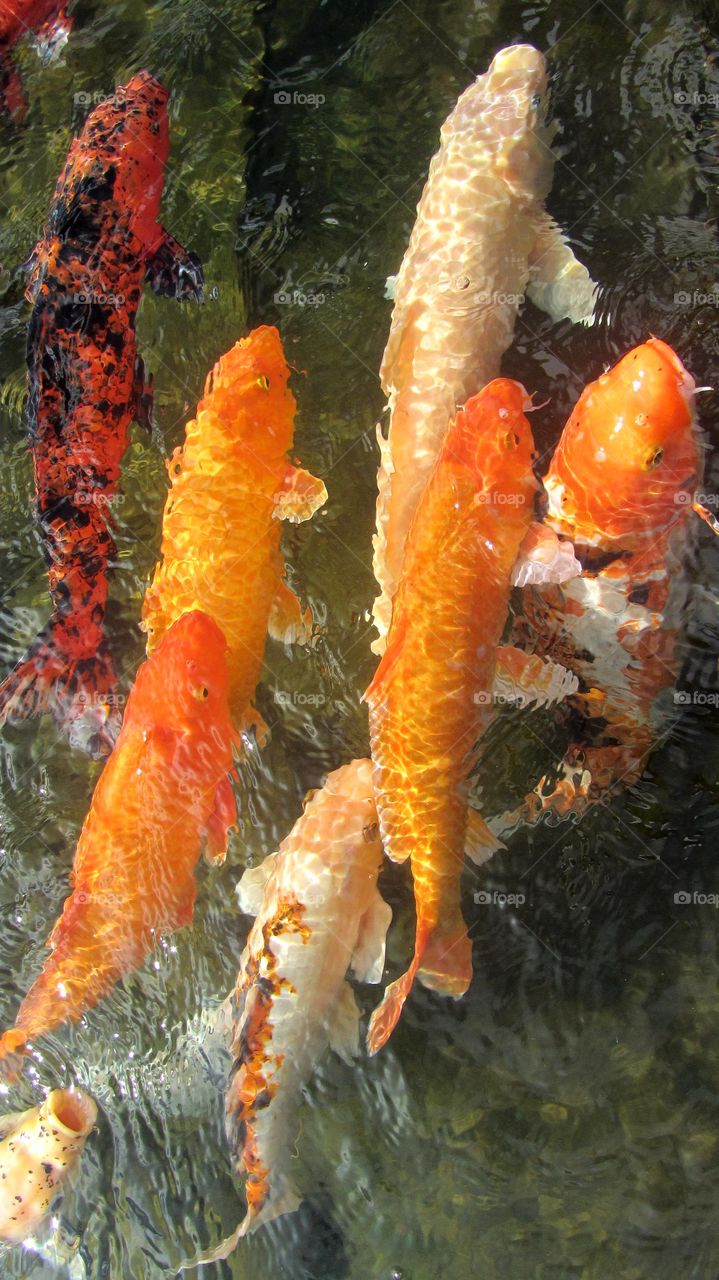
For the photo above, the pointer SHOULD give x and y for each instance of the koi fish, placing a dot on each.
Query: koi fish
(620, 485)
(86, 384)
(40, 1148)
(318, 913)
(163, 795)
(48, 21)
(481, 241)
(231, 485)
(428, 701)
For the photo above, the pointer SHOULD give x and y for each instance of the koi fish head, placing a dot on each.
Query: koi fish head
(185, 682)
(515, 93)
(492, 438)
(252, 378)
(134, 126)
(627, 460)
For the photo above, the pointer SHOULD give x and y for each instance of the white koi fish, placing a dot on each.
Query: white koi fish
(40, 1148)
(318, 914)
(481, 242)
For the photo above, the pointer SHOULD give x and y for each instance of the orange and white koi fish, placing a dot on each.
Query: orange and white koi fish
(428, 702)
(231, 485)
(482, 240)
(163, 795)
(318, 913)
(39, 1150)
(620, 485)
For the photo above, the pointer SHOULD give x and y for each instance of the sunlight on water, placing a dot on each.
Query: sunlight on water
(560, 1122)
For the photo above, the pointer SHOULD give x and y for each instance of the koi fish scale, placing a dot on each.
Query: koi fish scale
(482, 240)
(162, 797)
(318, 913)
(620, 486)
(231, 485)
(85, 386)
(430, 700)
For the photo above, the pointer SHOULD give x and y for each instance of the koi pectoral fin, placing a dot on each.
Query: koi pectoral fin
(367, 962)
(222, 818)
(525, 679)
(300, 496)
(544, 558)
(559, 283)
(288, 623)
(251, 886)
(343, 1030)
(174, 272)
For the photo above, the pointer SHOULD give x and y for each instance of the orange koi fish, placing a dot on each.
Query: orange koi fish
(620, 485)
(429, 702)
(318, 913)
(231, 485)
(40, 1148)
(481, 242)
(86, 384)
(163, 795)
(48, 21)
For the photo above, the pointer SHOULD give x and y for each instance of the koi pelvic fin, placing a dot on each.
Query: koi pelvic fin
(77, 692)
(287, 1202)
(174, 272)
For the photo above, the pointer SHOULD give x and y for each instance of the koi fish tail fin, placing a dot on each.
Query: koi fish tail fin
(387, 1014)
(78, 692)
(286, 1202)
(447, 963)
(12, 1050)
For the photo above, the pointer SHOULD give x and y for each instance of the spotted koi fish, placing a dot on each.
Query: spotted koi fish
(47, 20)
(86, 384)
(163, 796)
(318, 913)
(620, 486)
(40, 1149)
(429, 702)
(231, 486)
(481, 241)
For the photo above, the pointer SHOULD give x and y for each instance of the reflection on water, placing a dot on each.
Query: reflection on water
(561, 1121)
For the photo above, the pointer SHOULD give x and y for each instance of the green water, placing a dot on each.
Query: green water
(559, 1123)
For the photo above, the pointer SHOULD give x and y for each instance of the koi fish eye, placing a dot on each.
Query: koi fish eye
(263, 382)
(653, 459)
(511, 440)
(200, 692)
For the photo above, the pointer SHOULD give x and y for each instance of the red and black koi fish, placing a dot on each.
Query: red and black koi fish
(47, 21)
(86, 384)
